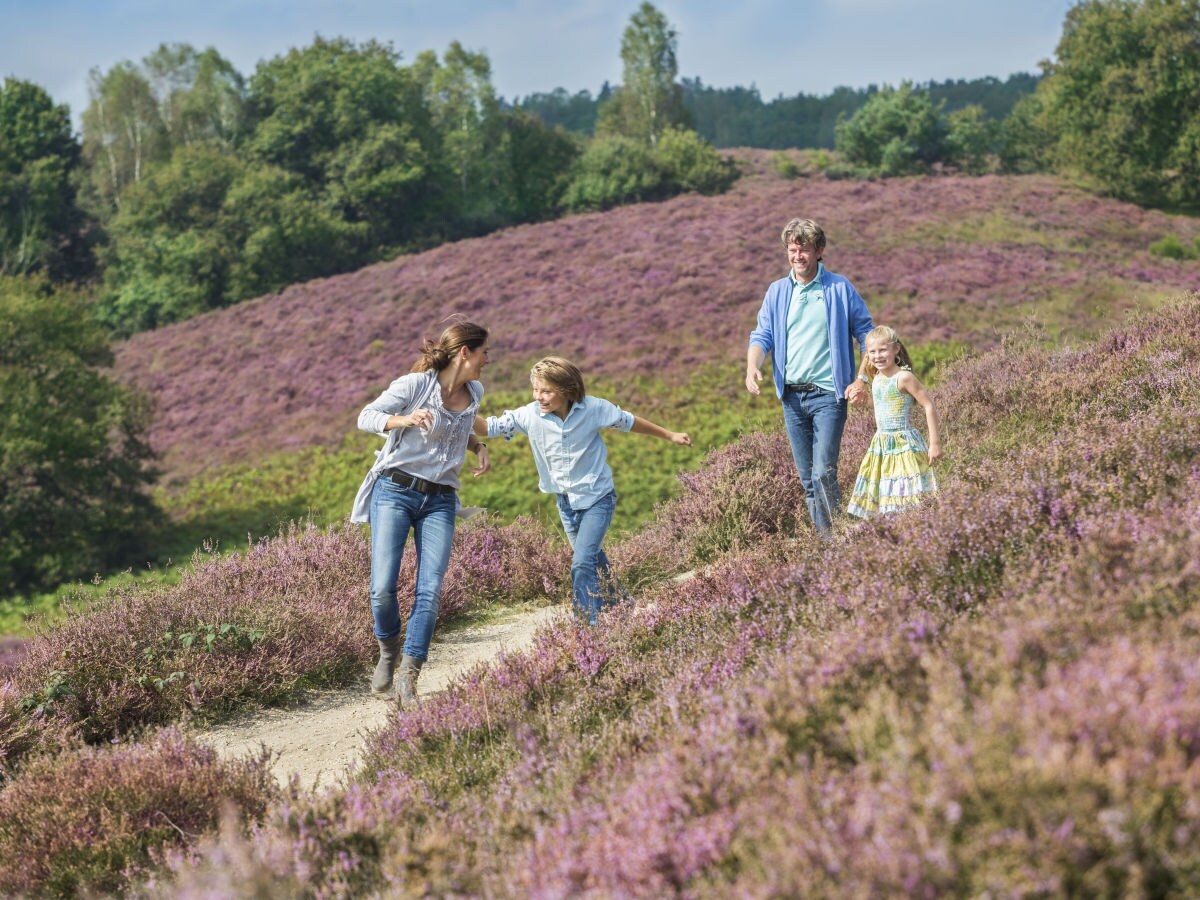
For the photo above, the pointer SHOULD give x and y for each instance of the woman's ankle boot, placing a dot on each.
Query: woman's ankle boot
(406, 688)
(381, 682)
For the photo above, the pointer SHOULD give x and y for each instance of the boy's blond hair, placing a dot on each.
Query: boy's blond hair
(560, 374)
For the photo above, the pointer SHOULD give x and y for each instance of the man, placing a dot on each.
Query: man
(806, 323)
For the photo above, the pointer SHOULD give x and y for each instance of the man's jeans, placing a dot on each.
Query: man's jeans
(815, 421)
(395, 510)
(589, 565)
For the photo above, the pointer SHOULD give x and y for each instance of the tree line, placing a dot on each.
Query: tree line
(739, 117)
(192, 187)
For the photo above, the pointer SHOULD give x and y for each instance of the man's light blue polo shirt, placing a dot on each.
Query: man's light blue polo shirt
(570, 454)
(808, 358)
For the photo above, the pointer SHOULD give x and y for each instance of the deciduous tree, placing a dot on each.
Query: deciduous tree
(41, 225)
(73, 458)
(649, 101)
(898, 131)
(354, 125)
(1122, 97)
(123, 133)
(201, 96)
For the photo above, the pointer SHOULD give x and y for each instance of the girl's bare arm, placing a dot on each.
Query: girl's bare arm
(910, 384)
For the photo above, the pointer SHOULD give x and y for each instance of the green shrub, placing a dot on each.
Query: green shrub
(898, 131)
(1171, 247)
(612, 171)
(689, 163)
(785, 165)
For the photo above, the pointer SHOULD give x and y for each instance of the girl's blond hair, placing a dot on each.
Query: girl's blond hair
(560, 374)
(884, 333)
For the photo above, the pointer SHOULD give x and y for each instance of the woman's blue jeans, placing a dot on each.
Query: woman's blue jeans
(394, 512)
(590, 569)
(815, 421)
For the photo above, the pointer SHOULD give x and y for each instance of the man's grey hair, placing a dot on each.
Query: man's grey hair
(804, 231)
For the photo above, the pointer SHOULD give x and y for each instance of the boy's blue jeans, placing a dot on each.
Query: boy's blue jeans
(394, 511)
(815, 421)
(589, 565)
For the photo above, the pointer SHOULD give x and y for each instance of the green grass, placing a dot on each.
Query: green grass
(22, 615)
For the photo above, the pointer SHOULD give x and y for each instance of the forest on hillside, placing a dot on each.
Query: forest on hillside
(740, 117)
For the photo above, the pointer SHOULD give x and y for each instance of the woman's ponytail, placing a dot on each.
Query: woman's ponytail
(436, 355)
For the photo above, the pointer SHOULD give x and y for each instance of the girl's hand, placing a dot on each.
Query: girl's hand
(857, 393)
(935, 452)
(680, 438)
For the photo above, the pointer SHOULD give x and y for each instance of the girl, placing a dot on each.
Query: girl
(895, 472)
(426, 418)
(563, 424)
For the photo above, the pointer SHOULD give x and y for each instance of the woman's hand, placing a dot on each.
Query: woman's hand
(483, 461)
(420, 418)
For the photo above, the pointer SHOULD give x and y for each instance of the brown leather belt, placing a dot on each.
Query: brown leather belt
(417, 484)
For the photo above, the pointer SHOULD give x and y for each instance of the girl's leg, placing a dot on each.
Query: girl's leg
(586, 529)
(433, 533)
(391, 517)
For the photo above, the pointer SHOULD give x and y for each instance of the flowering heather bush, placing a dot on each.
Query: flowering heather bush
(994, 694)
(290, 611)
(507, 565)
(11, 649)
(677, 282)
(744, 493)
(93, 819)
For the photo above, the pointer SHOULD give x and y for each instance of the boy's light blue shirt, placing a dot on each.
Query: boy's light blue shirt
(808, 358)
(570, 454)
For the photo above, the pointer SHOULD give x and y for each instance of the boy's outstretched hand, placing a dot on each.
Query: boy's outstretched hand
(680, 438)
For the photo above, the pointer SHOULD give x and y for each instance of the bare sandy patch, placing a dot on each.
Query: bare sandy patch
(322, 735)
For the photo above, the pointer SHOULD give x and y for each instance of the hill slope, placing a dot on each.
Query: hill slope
(650, 289)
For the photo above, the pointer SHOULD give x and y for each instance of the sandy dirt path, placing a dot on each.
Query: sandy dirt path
(321, 736)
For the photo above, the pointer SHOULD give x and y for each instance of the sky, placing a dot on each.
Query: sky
(807, 46)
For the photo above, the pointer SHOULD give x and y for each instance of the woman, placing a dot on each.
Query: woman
(426, 418)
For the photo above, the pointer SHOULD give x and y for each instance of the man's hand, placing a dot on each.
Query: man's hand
(753, 377)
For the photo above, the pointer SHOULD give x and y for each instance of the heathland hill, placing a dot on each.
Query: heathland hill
(663, 289)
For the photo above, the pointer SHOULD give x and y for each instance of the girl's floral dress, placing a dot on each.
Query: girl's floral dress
(895, 472)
